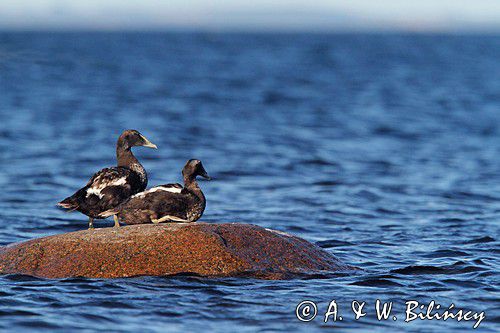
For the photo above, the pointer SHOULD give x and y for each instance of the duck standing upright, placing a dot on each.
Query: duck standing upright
(112, 186)
(167, 203)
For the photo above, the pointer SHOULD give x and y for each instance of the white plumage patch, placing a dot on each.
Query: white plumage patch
(172, 189)
(171, 218)
(96, 190)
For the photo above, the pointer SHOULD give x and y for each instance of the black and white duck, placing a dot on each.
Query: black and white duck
(112, 186)
(167, 203)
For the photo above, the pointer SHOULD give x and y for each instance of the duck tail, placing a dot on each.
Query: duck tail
(69, 203)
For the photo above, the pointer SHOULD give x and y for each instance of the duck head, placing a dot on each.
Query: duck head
(132, 138)
(194, 168)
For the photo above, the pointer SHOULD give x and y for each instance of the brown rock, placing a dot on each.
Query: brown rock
(214, 250)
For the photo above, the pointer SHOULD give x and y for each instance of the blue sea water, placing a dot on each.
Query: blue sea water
(383, 149)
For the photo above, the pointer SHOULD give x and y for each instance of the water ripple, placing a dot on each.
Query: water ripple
(381, 149)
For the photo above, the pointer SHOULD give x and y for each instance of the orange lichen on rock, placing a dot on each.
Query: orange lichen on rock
(212, 250)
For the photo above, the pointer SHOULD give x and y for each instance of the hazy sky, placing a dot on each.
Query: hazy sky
(329, 15)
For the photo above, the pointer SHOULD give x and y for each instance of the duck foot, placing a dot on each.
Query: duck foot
(117, 224)
(91, 223)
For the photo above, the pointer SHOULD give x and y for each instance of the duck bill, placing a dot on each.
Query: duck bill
(148, 143)
(204, 174)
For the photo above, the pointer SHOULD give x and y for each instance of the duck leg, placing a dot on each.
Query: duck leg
(91, 223)
(117, 224)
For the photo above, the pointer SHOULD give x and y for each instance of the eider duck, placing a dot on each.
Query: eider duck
(167, 203)
(111, 186)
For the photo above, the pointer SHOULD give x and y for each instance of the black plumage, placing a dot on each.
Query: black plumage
(112, 186)
(167, 203)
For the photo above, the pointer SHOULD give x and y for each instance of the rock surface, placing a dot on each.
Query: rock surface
(212, 250)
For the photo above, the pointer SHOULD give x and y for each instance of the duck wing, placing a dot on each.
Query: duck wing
(156, 202)
(143, 200)
(105, 190)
